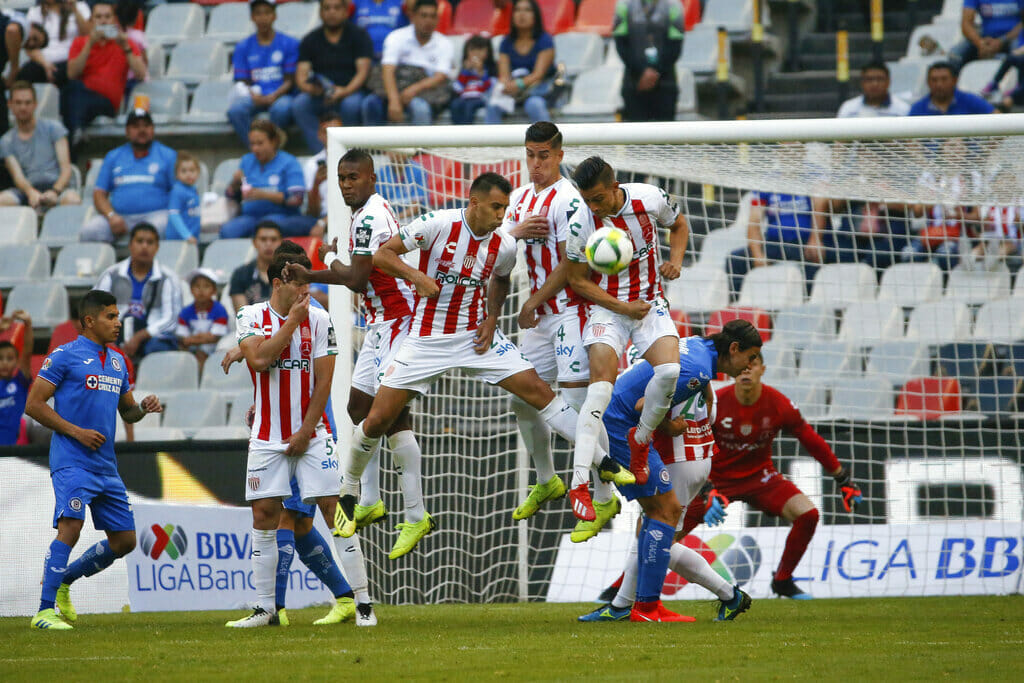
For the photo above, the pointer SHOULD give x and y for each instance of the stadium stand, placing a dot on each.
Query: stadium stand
(699, 289)
(939, 322)
(801, 325)
(577, 51)
(168, 101)
(196, 61)
(174, 23)
(978, 286)
(78, 265)
(19, 225)
(46, 302)
(840, 284)
(229, 23)
(929, 398)
(777, 286)
(23, 263)
(756, 316)
(899, 360)
(779, 359)
(909, 284)
(189, 410)
(827, 362)
(61, 224)
(166, 372)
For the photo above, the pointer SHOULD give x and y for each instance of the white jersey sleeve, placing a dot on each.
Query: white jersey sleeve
(324, 341)
(421, 233)
(507, 254)
(657, 203)
(247, 323)
(581, 227)
(565, 205)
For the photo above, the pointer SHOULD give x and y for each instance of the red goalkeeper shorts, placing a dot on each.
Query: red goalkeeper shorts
(766, 491)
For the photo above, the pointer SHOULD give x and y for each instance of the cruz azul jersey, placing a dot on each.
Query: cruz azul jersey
(386, 297)
(696, 443)
(646, 209)
(282, 393)
(744, 434)
(461, 263)
(89, 381)
(557, 203)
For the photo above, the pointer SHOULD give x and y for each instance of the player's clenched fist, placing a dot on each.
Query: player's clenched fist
(426, 287)
(485, 334)
(151, 404)
(89, 438)
(669, 271)
(636, 309)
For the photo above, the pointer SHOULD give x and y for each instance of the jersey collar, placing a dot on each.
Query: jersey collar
(625, 201)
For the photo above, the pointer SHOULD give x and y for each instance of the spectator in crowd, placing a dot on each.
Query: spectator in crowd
(265, 65)
(134, 184)
(334, 62)
(36, 155)
(269, 185)
(148, 296)
(1000, 24)
(15, 378)
(1000, 241)
(875, 98)
(945, 98)
(98, 66)
(415, 68)
(64, 20)
(18, 34)
(526, 66)
(473, 85)
(184, 208)
(203, 322)
(794, 227)
(1014, 60)
(129, 15)
(649, 39)
(403, 182)
(315, 174)
(379, 18)
(249, 282)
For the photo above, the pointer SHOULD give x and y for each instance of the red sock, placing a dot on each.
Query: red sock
(796, 543)
(645, 606)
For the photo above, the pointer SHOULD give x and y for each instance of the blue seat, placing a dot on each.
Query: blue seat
(965, 360)
(993, 395)
(1009, 359)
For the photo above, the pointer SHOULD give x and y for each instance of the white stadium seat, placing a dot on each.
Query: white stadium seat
(827, 362)
(224, 255)
(841, 284)
(62, 224)
(801, 325)
(699, 289)
(940, 322)
(596, 93)
(1001, 322)
(194, 61)
(869, 322)
(230, 23)
(167, 371)
(19, 225)
(173, 23)
(978, 286)
(24, 263)
(80, 265)
(779, 361)
(46, 302)
(773, 287)
(909, 284)
(863, 399)
(899, 360)
(577, 51)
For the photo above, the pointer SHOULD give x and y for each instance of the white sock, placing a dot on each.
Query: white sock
(536, 438)
(692, 566)
(362, 450)
(408, 459)
(657, 399)
(574, 396)
(604, 491)
(369, 483)
(588, 429)
(353, 566)
(627, 590)
(264, 567)
(561, 418)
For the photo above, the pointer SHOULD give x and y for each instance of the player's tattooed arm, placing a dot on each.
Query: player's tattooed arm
(554, 284)
(132, 412)
(389, 259)
(678, 238)
(579, 278)
(37, 408)
(497, 291)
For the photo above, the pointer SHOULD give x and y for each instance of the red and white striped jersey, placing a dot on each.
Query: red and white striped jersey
(557, 203)
(1003, 222)
(462, 263)
(282, 392)
(386, 297)
(646, 209)
(696, 443)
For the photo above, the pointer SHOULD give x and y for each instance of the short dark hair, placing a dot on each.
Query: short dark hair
(485, 182)
(424, 3)
(94, 301)
(283, 259)
(875, 66)
(538, 21)
(356, 156)
(329, 114)
(738, 330)
(544, 131)
(948, 66)
(288, 247)
(21, 85)
(266, 225)
(591, 171)
(144, 227)
(6, 344)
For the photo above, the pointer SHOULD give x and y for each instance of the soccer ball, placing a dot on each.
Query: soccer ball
(609, 250)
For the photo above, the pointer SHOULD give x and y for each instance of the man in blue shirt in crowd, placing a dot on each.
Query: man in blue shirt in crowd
(89, 386)
(944, 98)
(134, 185)
(379, 18)
(264, 66)
(15, 374)
(1000, 24)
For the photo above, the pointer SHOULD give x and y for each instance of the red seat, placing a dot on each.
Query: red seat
(929, 397)
(559, 15)
(311, 246)
(756, 316)
(446, 185)
(444, 18)
(475, 16)
(66, 332)
(682, 322)
(596, 16)
(691, 13)
(15, 334)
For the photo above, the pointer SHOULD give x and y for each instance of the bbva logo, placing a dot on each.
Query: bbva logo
(156, 540)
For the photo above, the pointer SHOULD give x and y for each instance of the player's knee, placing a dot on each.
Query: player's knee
(666, 375)
(123, 545)
(809, 518)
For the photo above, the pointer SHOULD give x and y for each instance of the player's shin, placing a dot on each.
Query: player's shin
(536, 438)
(363, 448)
(588, 428)
(654, 544)
(95, 559)
(690, 565)
(315, 554)
(369, 482)
(353, 565)
(264, 566)
(657, 399)
(409, 461)
(796, 543)
(54, 571)
(285, 553)
(627, 587)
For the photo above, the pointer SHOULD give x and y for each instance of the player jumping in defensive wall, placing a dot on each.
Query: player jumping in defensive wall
(629, 306)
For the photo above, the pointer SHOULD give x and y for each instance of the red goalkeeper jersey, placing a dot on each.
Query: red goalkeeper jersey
(744, 434)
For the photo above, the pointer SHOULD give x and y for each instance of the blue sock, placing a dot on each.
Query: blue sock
(54, 569)
(655, 546)
(98, 557)
(285, 552)
(315, 554)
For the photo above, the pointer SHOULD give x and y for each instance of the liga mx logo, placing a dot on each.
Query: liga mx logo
(735, 560)
(156, 540)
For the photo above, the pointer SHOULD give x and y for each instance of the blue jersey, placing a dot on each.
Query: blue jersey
(266, 65)
(183, 220)
(379, 19)
(89, 381)
(788, 216)
(13, 393)
(280, 174)
(698, 361)
(998, 17)
(138, 185)
(963, 103)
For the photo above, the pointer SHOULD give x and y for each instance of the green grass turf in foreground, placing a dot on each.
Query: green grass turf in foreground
(863, 639)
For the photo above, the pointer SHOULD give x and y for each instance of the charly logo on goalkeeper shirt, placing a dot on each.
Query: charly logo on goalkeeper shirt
(158, 540)
(735, 560)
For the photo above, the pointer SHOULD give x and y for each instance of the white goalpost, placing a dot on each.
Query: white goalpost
(901, 340)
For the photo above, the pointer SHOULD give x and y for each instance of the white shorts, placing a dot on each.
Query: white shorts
(421, 360)
(616, 330)
(688, 478)
(269, 471)
(555, 346)
(380, 344)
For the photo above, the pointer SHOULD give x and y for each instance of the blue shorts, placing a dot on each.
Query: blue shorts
(105, 494)
(659, 480)
(295, 504)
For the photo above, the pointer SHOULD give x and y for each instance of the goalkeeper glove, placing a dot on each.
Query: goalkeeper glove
(848, 491)
(714, 513)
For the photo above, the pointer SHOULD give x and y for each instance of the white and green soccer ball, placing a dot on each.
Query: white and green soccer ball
(609, 250)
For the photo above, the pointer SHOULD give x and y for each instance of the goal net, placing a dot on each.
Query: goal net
(884, 288)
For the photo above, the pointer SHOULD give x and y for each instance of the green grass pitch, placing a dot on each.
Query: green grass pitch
(862, 639)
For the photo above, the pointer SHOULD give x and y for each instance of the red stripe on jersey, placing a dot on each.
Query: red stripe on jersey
(648, 229)
(386, 287)
(634, 265)
(396, 329)
(427, 324)
(264, 385)
(284, 381)
(531, 260)
(452, 319)
(492, 258)
(546, 259)
(304, 377)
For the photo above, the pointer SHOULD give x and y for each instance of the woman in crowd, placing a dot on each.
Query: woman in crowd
(526, 66)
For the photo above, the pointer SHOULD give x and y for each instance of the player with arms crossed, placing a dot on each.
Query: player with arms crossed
(291, 361)
(462, 283)
(552, 319)
(630, 306)
(387, 303)
(89, 384)
(729, 351)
